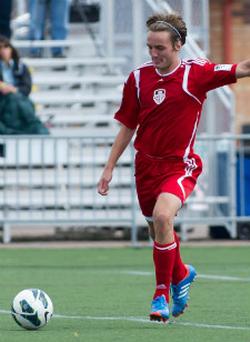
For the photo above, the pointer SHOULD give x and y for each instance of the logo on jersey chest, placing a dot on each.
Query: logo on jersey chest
(159, 96)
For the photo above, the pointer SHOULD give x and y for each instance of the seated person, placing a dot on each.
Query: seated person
(17, 112)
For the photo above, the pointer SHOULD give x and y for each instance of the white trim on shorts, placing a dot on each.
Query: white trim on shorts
(149, 218)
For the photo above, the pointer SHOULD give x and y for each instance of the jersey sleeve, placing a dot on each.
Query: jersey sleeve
(210, 75)
(129, 109)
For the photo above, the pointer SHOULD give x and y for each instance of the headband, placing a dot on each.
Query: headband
(169, 26)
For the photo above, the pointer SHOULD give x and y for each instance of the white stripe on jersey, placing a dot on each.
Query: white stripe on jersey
(198, 61)
(185, 83)
(137, 81)
(136, 73)
(146, 64)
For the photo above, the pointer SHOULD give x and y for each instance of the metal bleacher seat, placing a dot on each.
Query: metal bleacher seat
(59, 119)
(69, 108)
(72, 80)
(64, 98)
(74, 62)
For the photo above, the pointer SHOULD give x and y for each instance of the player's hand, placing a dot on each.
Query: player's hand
(103, 184)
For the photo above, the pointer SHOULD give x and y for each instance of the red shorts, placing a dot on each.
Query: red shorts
(173, 175)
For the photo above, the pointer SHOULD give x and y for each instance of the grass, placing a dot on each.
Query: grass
(97, 283)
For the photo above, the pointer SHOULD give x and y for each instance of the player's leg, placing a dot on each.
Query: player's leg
(179, 270)
(160, 210)
(165, 210)
(181, 291)
(164, 252)
(182, 274)
(151, 230)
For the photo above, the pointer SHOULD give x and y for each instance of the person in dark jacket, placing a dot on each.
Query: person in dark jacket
(5, 17)
(17, 112)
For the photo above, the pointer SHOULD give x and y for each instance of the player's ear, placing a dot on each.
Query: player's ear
(177, 45)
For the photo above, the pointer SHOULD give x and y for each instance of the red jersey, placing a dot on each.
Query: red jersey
(166, 109)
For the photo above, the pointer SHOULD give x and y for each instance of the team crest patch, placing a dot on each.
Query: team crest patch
(159, 96)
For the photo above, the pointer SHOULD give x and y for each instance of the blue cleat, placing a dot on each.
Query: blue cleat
(159, 309)
(180, 292)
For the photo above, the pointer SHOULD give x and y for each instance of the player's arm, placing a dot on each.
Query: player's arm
(243, 69)
(122, 140)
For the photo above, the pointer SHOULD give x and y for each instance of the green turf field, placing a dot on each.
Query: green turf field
(104, 295)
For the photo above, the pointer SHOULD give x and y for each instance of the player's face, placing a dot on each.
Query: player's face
(164, 55)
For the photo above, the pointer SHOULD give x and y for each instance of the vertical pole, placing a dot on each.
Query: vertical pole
(6, 233)
(21, 6)
(242, 179)
(103, 24)
(227, 29)
(138, 30)
(233, 174)
(211, 146)
(134, 238)
(205, 24)
(107, 26)
(187, 13)
(110, 28)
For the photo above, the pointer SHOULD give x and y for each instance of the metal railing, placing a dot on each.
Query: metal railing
(221, 197)
(52, 181)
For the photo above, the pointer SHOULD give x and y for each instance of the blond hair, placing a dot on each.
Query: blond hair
(172, 23)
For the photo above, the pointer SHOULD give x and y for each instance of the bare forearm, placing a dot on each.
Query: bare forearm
(243, 69)
(121, 142)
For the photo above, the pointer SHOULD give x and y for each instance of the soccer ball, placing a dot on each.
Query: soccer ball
(32, 309)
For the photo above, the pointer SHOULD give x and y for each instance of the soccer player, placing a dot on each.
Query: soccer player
(162, 102)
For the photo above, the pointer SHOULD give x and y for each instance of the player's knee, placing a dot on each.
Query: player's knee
(163, 221)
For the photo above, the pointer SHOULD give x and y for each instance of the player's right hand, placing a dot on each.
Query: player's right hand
(103, 184)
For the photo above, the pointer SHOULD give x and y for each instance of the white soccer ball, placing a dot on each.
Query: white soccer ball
(32, 309)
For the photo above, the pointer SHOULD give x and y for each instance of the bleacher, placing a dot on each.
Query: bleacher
(76, 92)
(87, 87)
(52, 180)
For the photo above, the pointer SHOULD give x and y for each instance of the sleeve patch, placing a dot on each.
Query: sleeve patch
(223, 67)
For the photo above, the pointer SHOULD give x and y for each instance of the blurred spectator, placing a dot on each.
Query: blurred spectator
(5, 16)
(58, 11)
(17, 112)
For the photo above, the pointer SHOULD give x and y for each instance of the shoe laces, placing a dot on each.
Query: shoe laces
(160, 302)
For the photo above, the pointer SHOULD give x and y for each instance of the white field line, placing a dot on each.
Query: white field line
(142, 320)
(202, 276)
